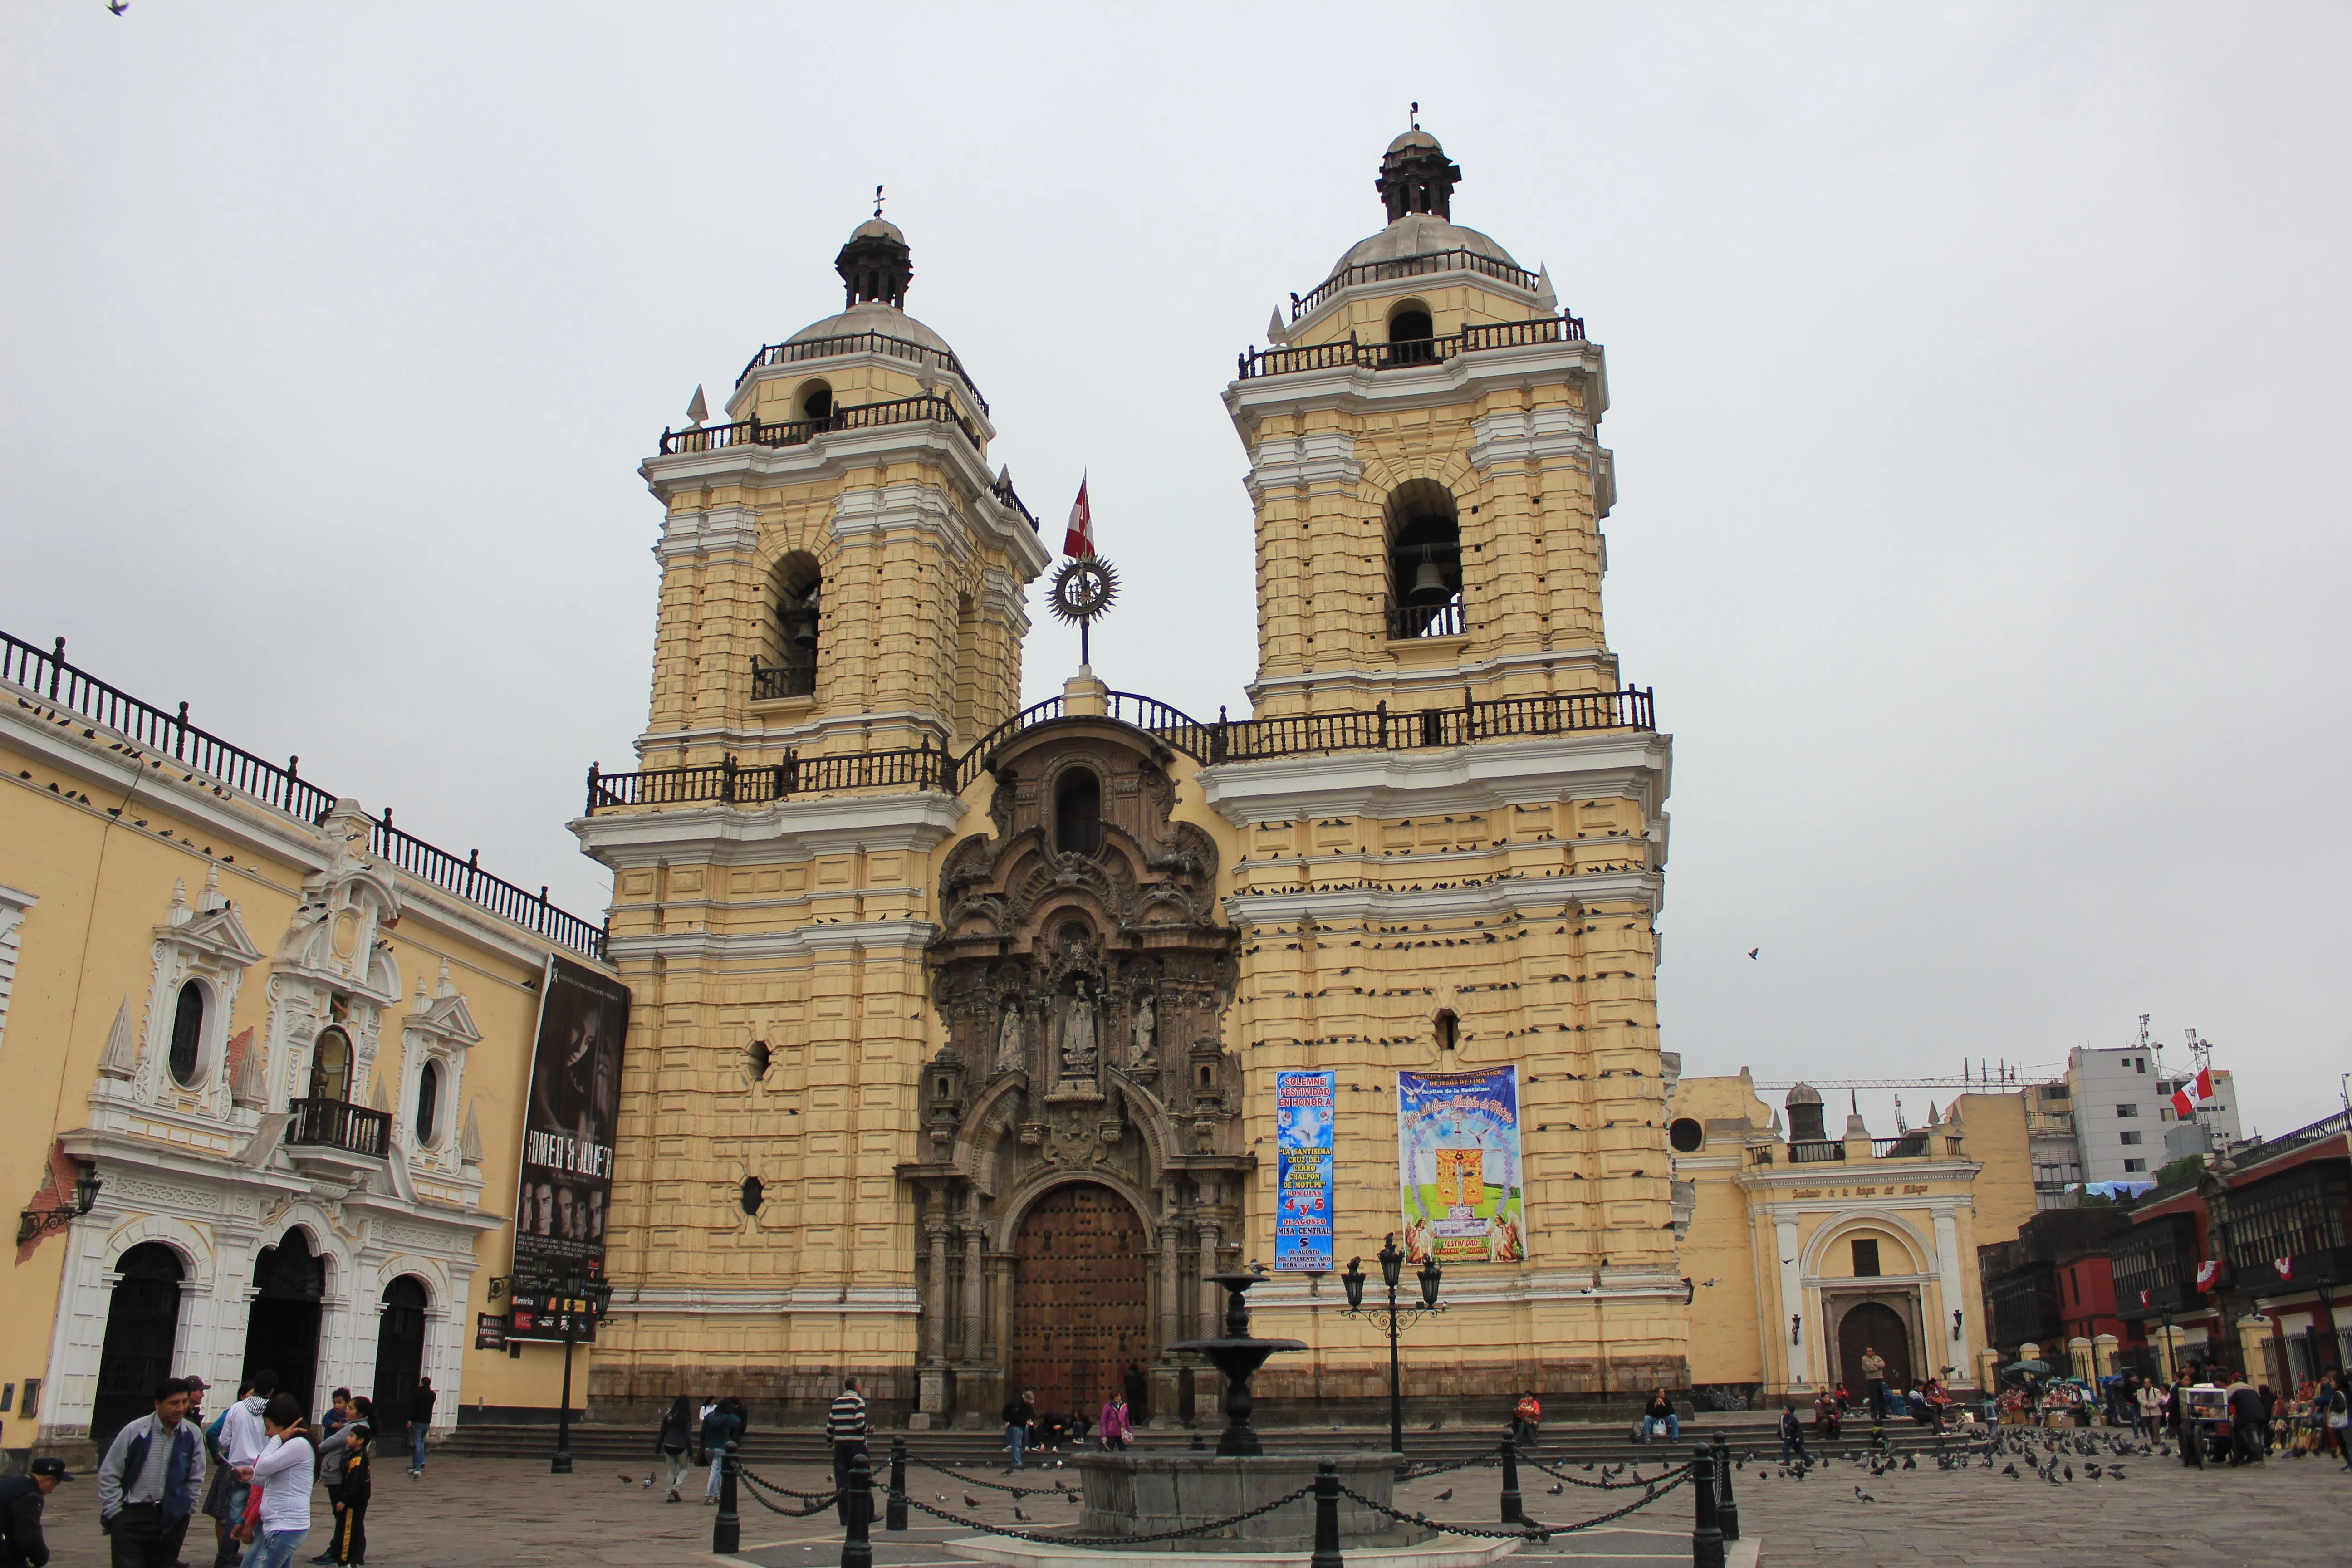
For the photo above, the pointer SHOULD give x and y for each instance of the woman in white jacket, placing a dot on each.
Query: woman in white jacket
(283, 1470)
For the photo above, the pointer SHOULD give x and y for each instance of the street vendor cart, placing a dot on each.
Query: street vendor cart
(2205, 1427)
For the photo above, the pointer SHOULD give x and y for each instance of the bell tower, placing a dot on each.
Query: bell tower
(1450, 808)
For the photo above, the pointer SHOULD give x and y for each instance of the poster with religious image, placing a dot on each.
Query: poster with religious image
(1458, 1166)
(567, 1144)
(1303, 1106)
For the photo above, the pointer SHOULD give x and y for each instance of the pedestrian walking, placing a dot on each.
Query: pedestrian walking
(420, 1422)
(149, 1482)
(720, 1427)
(2149, 1400)
(22, 1544)
(215, 1504)
(846, 1428)
(1792, 1433)
(1118, 1425)
(2334, 1407)
(241, 1437)
(1018, 1414)
(676, 1432)
(347, 1545)
(283, 1472)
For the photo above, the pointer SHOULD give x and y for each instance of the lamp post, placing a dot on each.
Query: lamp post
(31, 1223)
(1391, 1270)
(594, 1296)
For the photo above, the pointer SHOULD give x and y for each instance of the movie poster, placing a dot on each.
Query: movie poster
(567, 1142)
(1302, 1107)
(1458, 1165)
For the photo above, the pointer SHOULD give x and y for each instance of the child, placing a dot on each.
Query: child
(356, 1478)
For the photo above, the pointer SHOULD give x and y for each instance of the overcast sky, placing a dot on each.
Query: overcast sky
(1978, 389)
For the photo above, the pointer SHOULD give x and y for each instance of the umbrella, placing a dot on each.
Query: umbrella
(2038, 1368)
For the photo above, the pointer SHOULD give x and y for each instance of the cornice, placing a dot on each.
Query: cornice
(895, 1300)
(1357, 390)
(843, 936)
(1491, 900)
(1592, 764)
(801, 829)
(1399, 680)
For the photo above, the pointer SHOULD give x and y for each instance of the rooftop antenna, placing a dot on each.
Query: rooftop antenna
(1414, 115)
(878, 201)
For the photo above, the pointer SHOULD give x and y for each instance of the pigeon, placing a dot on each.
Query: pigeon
(1018, 1514)
(1754, 950)
(1911, 1461)
(1862, 1496)
(969, 1500)
(649, 1481)
(2009, 1469)
(2114, 1472)
(1554, 1489)
(2070, 1472)
(2091, 1469)
(941, 1496)
(626, 1479)
(1446, 1496)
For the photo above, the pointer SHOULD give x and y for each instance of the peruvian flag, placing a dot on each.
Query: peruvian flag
(1078, 539)
(2182, 1106)
(2206, 1273)
(2285, 1266)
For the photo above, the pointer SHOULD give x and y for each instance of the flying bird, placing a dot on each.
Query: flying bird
(1754, 950)
(118, 6)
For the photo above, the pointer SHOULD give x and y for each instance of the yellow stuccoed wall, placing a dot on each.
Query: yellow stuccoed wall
(103, 871)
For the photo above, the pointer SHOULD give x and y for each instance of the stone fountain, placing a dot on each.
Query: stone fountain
(1140, 1493)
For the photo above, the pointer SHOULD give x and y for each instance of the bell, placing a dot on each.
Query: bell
(1430, 582)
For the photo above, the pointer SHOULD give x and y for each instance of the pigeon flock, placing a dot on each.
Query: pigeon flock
(2047, 1456)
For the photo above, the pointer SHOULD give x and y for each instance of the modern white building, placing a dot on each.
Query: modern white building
(2123, 1110)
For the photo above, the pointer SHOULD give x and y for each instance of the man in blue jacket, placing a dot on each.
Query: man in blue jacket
(149, 1482)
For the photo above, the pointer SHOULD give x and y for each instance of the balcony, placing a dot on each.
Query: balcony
(1417, 267)
(861, 343)
(2155, 1267)
(781, 680)
(340, 1124)
(1409, 621)
(1814, 1154)
(1351, 354)
(799, 432)
(1225, 740)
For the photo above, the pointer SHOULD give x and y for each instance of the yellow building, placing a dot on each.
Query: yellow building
(957, 1027)
(1805, 1251)
(291, 1044)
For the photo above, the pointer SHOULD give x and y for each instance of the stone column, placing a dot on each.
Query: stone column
(1167, 1376)
(1213, 1299)
(975, 1294)
(1948, 1269)
(1792, 1297)
(2103, 1353)
(932, 1382)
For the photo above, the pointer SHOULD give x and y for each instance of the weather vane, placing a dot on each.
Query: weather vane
(1083, 589)
(878, 201)
(1415, 114)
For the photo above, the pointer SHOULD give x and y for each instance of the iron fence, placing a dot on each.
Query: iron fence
(1458, 260)
(757, 432)
(340, 1124)
(865, 343)
(150, 729)
(1352, 353)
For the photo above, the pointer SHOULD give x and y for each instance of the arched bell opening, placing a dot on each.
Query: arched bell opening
(787, 663)
(1424, 528)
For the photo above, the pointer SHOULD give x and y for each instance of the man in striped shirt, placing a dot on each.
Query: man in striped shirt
(845, 1427)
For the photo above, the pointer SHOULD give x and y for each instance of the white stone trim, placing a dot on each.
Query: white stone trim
(1493, 898)
(1325, 457)
(1358, 390)
(716, 1300)
(13, 907)
(914, 820)
(712, 947)
(1398, 683)
(1591, 765)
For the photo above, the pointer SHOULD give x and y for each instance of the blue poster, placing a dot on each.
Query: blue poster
(1302, 1107)
(1458, 1163)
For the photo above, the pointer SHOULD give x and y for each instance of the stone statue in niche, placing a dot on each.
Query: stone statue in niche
(1079, 1045)
(1008, 1039)
(1146, 1029)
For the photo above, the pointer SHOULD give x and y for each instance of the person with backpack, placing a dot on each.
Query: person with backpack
(720, 1427)
(420, 1422)
(241, 1437)
(670, 1442)
(22, 1545)
(2334, 1406)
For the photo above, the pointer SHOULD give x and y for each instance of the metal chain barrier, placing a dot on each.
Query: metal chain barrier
(1415, 1471)
(816, 1507)
(1596, 1486)
(991, 1486)
(1052, 1538)
(758, 1480)
(1661, 1487)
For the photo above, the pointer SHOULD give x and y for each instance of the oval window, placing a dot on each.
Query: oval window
(187, 1035)
(1685, 1135)
(429, 1104)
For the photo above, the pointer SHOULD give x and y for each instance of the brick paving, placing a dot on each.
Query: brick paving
(467, 1514)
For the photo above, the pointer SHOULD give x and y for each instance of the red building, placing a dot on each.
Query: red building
(2052, 1288)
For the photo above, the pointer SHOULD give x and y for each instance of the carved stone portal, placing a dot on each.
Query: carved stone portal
(1074, 940)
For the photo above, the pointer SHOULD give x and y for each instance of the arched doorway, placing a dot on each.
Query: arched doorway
(281, 1326)
(1873, 1326)
(141, 1322)
(1081, 1297)
(399, 1351)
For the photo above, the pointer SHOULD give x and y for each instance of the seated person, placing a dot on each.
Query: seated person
(1827, 1413)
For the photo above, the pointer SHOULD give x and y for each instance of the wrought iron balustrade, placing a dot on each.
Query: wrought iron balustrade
(1815, 1153)
(340, 1124)
(798, 432)
(1903, 1146)
(157, 736)
(1457, 261)
(1351, 354)
(730, 781)
(782, 680)
(863, 343)
(1407, 621)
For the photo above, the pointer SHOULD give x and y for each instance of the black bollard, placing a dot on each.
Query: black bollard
(1513, 1511)
(1707, 1537)
(1326, 1517)
(857, 1548)
(726, 1529)
(1727, 1508)
(894, 1515)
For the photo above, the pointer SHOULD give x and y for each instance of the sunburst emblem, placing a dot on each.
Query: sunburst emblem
(1083, 588)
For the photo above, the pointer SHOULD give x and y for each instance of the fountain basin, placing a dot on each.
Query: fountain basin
(1145, 1494)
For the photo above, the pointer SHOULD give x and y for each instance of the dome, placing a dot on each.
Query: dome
(1416, 137)
(872, 316)
(1421, 234)
(1803, 1094)
(878, 228)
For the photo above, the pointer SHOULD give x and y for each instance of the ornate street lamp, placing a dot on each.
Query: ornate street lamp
(31, 1223)
(1392, 1272)
(597, 1296)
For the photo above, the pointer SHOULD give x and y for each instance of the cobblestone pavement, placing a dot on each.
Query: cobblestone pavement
(467, 1514)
